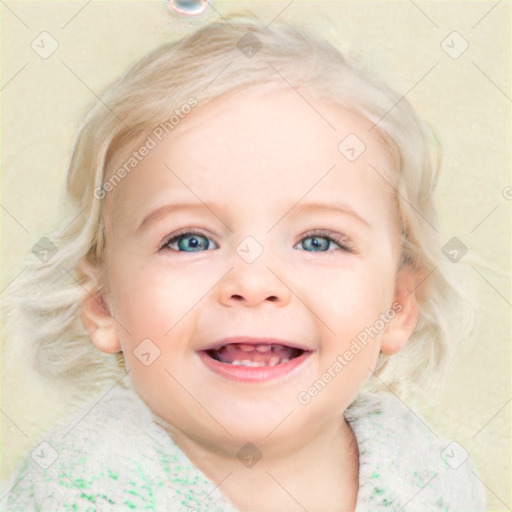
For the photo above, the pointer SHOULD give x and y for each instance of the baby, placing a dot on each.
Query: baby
(257, 266)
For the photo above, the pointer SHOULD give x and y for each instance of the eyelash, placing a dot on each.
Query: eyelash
(341, 240)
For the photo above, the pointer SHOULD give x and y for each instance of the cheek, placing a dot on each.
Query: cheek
(352, 332)
(354, 297)
(352, 317)
(151, 298)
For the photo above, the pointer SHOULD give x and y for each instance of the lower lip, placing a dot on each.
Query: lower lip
(242, 373)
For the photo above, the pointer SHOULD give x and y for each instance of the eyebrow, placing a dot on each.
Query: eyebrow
(169, 208)
(330, 208)
(301, 208)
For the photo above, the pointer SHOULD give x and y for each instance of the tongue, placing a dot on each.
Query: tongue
(264, 354)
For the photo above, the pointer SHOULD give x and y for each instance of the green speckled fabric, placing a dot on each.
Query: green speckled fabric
(116, 456)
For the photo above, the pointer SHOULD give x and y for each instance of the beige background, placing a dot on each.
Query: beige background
(467, 99)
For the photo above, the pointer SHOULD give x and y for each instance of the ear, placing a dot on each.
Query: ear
(95, 313)
(406, 308)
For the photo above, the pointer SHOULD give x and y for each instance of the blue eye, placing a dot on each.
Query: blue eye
(194, 241)
(321, 241)
(188, 241)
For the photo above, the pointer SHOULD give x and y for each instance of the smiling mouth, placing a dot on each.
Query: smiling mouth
(254, 355)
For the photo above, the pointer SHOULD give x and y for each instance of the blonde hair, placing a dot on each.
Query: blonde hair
(44, 302)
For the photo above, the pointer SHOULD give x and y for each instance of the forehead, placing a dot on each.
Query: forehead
(290, 124)
(285, 141)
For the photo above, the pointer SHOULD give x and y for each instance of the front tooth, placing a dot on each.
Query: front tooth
(273, 360)
(264, 348)
(285, 360)
(244, 347)
(249, 362)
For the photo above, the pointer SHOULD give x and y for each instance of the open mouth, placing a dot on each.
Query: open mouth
(254, 355)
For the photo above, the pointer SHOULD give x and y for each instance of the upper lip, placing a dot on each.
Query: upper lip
(250, 340)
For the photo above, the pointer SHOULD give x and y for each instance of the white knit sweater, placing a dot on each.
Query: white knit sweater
(115, 457)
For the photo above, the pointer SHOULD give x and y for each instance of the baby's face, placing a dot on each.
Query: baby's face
(222, 231)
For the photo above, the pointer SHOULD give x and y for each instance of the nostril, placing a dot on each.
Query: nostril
(271, 298)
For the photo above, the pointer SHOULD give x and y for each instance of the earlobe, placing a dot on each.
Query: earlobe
(406, 307)
(95, 314)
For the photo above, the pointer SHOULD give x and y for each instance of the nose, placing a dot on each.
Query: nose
(250, 284)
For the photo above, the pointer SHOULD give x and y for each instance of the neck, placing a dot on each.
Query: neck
(320, 475)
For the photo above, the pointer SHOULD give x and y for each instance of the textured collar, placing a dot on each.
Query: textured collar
(116, 454)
